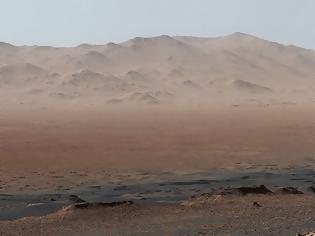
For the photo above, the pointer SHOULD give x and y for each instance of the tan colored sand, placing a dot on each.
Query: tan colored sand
(279, 215)
(96, 141)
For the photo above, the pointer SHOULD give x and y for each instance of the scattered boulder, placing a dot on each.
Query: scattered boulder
(288, 190)
(246, 190)
(312, 189)
(85, 205)
(256, 204)
(307, 234)
(76, 200)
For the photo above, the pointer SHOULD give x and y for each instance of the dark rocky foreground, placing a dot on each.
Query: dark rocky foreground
(236, 203)
(232, 211)
(152, 188)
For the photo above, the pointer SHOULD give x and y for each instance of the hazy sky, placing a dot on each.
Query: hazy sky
(71, 22)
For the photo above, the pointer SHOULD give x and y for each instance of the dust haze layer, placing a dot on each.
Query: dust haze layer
(162, 103)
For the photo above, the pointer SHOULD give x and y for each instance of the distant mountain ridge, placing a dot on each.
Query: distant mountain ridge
(230, 64)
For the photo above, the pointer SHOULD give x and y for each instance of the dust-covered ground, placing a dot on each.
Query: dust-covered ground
(158, 157)
(218, 215)
(91, 138)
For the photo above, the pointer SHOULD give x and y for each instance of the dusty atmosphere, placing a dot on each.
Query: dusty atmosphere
(118, 138)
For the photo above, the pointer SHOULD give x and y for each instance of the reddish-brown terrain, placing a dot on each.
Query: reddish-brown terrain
(150, 110)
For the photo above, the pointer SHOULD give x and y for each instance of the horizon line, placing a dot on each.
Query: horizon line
(158, 36)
